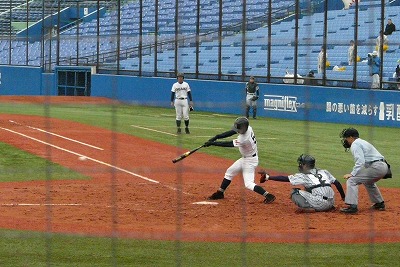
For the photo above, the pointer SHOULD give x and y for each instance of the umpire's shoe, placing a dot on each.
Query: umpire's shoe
(379, 206)
(216, 195)
(351, 209)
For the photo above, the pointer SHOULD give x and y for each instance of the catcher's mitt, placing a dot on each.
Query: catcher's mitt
(191, 108)
(269, 198)
(264, 176)
(254, 98)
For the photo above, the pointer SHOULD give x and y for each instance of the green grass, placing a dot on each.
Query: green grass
(280, 142)
(40, 249)
(17, 165)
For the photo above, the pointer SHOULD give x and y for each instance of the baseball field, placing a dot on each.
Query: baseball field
(90, 182)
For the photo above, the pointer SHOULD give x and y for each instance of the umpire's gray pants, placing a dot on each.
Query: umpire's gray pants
(368, 176)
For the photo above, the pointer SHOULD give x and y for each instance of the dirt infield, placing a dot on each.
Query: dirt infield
(136, 192)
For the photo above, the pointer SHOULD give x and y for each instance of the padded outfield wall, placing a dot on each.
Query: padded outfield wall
(323, 104)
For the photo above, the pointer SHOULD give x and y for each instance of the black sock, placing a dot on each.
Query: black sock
(178, 123)
(225, 183)
(187, 123)
(258, 189)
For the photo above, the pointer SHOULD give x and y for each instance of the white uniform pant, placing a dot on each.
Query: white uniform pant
(375, 81)
(316, 202)
(247, 166)
(249, 102)
(181, 109)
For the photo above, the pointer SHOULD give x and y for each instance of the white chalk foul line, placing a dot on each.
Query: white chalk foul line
(153, 130)
(80, 155)
(69, 139)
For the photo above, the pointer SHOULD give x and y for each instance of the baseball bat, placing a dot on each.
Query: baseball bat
(186, 154)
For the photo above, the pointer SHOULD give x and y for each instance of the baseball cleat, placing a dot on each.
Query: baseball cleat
(379, 206)
(179, 131)
(187, 130)
(269, 198)
(352, 209)
(216, 195)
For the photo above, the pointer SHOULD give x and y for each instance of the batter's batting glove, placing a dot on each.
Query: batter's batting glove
(191, 108)
(208, 143)
(264, 176)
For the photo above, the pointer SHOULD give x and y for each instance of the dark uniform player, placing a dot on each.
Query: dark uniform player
(252, 94)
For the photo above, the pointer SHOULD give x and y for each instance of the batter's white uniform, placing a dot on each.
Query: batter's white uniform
(181, 100)
(319, 194)
(248, 163)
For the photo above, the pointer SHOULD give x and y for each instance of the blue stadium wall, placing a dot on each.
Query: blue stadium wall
(322, 104)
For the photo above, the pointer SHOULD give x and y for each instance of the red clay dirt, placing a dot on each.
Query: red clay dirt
(135, 191)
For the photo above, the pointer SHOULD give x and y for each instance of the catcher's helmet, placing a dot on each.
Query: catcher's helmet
(306, 160)
(180, 74)
(241, 124)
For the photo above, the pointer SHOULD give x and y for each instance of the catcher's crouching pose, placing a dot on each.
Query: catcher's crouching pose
(318, 194)
(247, 164)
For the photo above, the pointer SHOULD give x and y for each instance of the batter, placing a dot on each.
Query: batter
(318, 194)
(180, 93)
(247, 164)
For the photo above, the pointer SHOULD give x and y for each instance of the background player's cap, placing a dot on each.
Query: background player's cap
(180, 74)
(251, 77)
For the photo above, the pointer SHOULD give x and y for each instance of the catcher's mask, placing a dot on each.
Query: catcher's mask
(348, 132)
(241, 125)
(306, 160)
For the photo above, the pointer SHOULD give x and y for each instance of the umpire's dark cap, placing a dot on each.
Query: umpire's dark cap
(349, 132)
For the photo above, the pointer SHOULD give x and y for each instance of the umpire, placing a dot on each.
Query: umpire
(252, 95)
(370, 166)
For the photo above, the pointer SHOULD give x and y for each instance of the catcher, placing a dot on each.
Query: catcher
(318, 194)
(252, 95)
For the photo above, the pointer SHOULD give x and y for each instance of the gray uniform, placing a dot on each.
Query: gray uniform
(369, 168)
(318, 193)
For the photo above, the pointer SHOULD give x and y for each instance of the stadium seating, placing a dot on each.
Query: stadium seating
(254, 62)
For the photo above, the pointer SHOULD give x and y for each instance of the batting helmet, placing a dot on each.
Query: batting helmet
(180, 74)
(306, 160)
(241, 125)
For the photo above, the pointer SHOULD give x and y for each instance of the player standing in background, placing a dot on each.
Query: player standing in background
(318, 194)
(252, 94)
(370, 166)
(247, 164)
(180, 93)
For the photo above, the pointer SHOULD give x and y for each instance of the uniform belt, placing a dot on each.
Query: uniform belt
(251, 93)
(252, 156)
(309, 189)
(181, 98)
(370, 162)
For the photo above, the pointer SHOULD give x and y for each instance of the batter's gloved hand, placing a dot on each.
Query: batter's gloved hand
(264, 176)
(191, 108)
(212, 139)
(208, 143)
